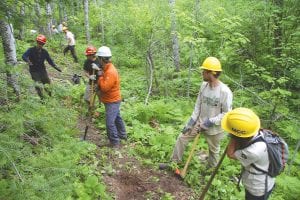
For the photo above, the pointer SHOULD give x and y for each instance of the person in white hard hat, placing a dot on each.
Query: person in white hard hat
(110, 96)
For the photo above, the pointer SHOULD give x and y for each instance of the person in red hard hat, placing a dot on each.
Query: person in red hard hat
(35, 57)
(91, 68)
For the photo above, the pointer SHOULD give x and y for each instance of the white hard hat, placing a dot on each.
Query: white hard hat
(104, 51)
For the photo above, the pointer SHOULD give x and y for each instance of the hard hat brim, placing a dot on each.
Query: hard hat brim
(202, 67)
(225, 126)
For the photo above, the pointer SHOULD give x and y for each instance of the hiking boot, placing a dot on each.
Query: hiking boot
(163, 166)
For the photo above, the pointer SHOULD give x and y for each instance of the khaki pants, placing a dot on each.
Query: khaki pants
(213, 142)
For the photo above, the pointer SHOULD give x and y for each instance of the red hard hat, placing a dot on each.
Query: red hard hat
(90, 51)
(41, 38)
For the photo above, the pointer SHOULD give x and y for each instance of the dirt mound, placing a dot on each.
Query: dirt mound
(130, 180)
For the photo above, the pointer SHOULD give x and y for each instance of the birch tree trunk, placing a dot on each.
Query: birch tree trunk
(175, 42)
(22, 28)
(86, 21)
(38, 14)
(60, 11)
(9, 48)
(49, 18)
(151, 69)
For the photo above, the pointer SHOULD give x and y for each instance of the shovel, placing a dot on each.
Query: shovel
(91, 105)
(213, 175)
(182, 173)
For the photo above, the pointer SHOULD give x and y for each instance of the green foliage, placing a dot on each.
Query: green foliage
(91, 189)
(290, 186)
(40, 158)
(37, 141)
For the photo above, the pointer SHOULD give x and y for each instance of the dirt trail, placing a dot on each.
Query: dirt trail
(129, 180)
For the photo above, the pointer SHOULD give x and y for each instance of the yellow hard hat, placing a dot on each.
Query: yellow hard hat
(241, 122)
(65, 28)
(212, 64)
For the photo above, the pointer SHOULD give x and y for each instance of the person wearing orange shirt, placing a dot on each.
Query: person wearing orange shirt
(110, 96)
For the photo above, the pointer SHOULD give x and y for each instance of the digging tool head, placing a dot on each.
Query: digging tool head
(177, 173)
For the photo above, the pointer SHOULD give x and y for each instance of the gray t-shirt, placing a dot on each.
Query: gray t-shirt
(212, 103)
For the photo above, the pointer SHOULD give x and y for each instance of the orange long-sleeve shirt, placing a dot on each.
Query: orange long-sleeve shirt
(109, 84)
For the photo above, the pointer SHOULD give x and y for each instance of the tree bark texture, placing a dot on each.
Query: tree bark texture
(278, 28)
(38, 14)
(8, 42)
(175, 42)
(151, 69)
(60, 11)
(22, 28)
(49, 18)
(86, 21)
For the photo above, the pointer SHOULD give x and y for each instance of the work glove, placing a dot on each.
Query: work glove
(100, 72)
(206, 124)
(188, 126)
(92, 77)
(95, 67)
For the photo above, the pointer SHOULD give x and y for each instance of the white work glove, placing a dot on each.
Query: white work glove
(100, 72)
(92, 77)
(95, 67)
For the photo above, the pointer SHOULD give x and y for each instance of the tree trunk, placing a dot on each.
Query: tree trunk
(197, 9)
(151, 69)
(8, 42)
(190, 69)
(86, 20)
(38, 16)
(102, 22)
(175, 42)
(278, 28)
(60, 11)
(22, 28)
(49, 18)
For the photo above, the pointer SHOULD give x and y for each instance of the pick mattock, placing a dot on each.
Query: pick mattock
(182, 173)
(213, 175)
(91, 105)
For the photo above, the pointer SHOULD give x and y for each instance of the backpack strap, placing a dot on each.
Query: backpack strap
(258, 169)
(259, 139)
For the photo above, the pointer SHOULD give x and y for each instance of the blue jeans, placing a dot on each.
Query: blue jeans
(115, 126)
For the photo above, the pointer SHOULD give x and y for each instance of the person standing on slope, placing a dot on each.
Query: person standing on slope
(110, 96)
(35, 57)
(71, 43)
(213, 101)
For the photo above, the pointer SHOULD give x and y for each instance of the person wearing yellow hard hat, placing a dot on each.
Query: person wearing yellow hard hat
(71, 43)
(213, 101)
(243, 125)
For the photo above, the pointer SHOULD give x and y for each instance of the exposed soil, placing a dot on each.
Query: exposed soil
(129, 179)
